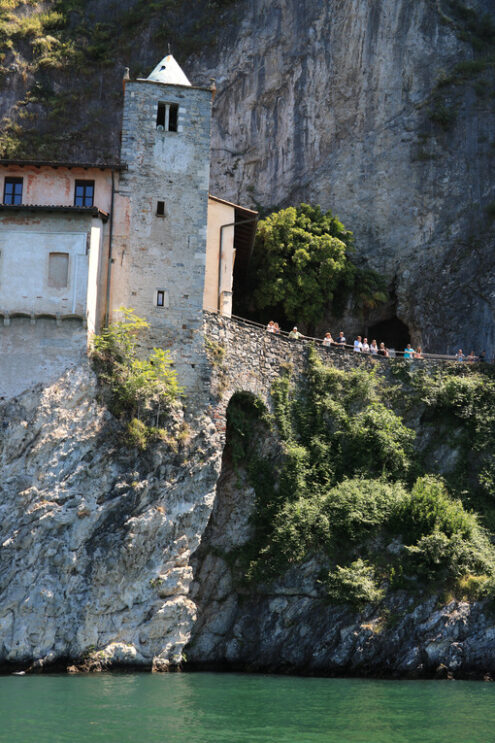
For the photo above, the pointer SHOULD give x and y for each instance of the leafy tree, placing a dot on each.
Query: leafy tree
(301, 266)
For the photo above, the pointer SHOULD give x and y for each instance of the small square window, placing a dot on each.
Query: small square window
(160, 298)
(84, 193)
(160, 209)
(12, 191)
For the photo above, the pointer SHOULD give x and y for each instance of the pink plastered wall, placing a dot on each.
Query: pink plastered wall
(50, 186)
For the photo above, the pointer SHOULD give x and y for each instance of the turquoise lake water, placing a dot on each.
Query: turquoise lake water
(235, 708)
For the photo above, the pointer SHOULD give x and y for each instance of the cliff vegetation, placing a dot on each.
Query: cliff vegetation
(139, 391)
(387, 479)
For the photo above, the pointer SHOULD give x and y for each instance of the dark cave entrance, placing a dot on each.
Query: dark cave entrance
(393, 332)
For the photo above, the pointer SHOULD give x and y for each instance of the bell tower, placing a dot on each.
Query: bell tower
(159, 260)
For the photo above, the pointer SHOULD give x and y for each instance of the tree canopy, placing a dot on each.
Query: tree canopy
(302, 266)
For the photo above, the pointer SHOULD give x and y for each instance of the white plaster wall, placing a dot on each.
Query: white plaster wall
(218, 215)
(25, 245)
(96, 278)
(33, 352)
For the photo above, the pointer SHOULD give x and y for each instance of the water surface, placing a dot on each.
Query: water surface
(235, 708)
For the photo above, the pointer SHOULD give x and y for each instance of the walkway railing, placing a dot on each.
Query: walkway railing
(335, 346)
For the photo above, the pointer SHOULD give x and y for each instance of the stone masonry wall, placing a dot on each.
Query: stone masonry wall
(247, 358)
(166, 253)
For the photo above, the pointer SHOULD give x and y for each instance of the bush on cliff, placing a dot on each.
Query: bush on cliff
(139, 387)
(350, 487)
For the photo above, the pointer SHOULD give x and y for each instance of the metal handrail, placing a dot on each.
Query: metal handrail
(335, 346)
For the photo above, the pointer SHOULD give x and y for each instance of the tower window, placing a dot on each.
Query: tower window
(12, 191)
(173, 116)
(84, 193)
(160, 116)
(160, 209)
(167, 117)
(160, 298)
(58, 270)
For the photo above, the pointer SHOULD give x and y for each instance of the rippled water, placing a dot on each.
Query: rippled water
(213, 708)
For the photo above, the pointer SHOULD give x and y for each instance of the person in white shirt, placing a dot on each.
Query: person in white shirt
(358, 346)
(373, 347)
(366, 347)
(294, 334)
(327, 340)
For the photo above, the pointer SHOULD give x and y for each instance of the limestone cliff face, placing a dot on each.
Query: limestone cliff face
(110, 556)
(289, 625)
(94, 538)
(337, 103)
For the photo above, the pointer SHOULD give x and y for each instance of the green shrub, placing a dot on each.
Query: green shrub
(472, 587)
(357, 508)
(354, 584)
(139, 387)
(345, 483)
(431, 509)
(137, 434)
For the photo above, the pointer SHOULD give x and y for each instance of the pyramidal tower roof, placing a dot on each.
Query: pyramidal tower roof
(169, 71)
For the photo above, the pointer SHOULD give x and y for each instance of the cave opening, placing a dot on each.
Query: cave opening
(393, 332)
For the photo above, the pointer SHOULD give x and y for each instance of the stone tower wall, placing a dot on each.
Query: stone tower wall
(166, 253)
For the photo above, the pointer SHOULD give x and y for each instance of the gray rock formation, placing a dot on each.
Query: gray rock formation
(338, 104)
(95, 538)
(290, 626)
(110, 556)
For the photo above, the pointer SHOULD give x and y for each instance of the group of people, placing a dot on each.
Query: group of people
(361, 345)
(471, 357)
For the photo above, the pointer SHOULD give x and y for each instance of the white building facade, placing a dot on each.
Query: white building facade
(78, 241)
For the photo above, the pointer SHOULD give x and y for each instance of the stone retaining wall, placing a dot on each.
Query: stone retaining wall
(246, 358)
